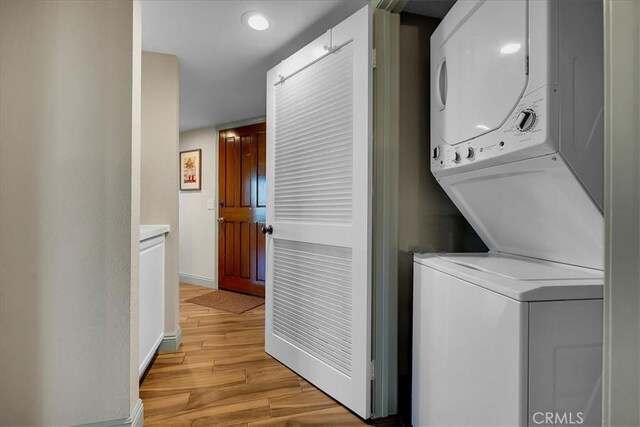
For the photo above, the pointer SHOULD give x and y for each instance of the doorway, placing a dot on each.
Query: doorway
(242, 194)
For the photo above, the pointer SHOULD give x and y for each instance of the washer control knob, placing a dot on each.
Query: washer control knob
(436, 152)
(469, 153)
(456, 157)
(525, 120)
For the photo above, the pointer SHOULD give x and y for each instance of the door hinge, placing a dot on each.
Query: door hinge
(372, 370)
(374, 58)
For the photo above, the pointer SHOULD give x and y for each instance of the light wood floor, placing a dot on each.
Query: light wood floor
(222, 376)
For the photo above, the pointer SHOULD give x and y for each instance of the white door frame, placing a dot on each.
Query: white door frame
(621, 340)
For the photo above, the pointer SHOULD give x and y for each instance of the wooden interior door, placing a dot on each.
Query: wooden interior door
(242, 193)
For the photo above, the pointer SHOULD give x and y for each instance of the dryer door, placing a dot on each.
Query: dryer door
(478, 68)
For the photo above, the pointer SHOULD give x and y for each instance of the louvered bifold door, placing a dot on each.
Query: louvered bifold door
(318, 178)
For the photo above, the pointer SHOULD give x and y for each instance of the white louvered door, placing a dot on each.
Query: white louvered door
(319, 205)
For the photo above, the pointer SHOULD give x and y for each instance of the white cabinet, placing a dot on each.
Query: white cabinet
(151, 296)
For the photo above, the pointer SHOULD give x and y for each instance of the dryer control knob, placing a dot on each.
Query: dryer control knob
(469, 153)
(456, 157)
(525, 120)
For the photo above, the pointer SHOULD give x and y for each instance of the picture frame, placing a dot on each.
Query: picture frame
(191, 170)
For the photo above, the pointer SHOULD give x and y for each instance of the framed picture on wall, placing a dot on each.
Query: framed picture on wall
(190, 170)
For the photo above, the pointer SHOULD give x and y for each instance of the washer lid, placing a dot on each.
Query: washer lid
(520, 278)
(478, 67)
(520, 268)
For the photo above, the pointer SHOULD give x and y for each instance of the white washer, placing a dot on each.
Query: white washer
(502, 340)
(517, 144)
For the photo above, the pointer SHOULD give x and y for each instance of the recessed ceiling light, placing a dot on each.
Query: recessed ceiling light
(255, 20)
(510, 48)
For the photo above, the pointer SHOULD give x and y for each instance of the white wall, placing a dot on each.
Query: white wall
(159, 165)
(198, 226)
(65, 211)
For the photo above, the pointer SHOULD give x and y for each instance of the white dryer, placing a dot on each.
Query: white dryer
(517, 144)
(517, 127)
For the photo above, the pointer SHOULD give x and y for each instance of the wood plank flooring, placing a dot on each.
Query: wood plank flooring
(221, 375)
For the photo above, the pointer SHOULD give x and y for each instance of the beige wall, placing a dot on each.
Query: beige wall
(198, 227)
(198, 223)
(159, 164)
(65, 211)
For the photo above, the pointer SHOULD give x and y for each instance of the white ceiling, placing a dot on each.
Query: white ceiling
(223, 63)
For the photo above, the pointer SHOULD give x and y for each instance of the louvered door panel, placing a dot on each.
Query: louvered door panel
(318, 203)
(312, 300)
(314, 142)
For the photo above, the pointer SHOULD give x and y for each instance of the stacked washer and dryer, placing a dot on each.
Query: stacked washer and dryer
(514, 336)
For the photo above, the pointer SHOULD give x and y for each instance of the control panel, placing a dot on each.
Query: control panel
(522, 135)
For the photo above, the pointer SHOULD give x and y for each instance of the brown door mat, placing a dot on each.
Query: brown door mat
(228, 301)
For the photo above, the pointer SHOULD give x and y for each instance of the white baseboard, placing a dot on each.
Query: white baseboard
(170, 342)
(136, 419)
(198, 280)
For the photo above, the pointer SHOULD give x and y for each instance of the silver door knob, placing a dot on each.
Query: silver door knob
(220, 220)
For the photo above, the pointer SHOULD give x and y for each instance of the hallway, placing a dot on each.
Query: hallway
(222, 376)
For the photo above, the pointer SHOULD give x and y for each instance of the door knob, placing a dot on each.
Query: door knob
(220, 220)
(267, 230)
